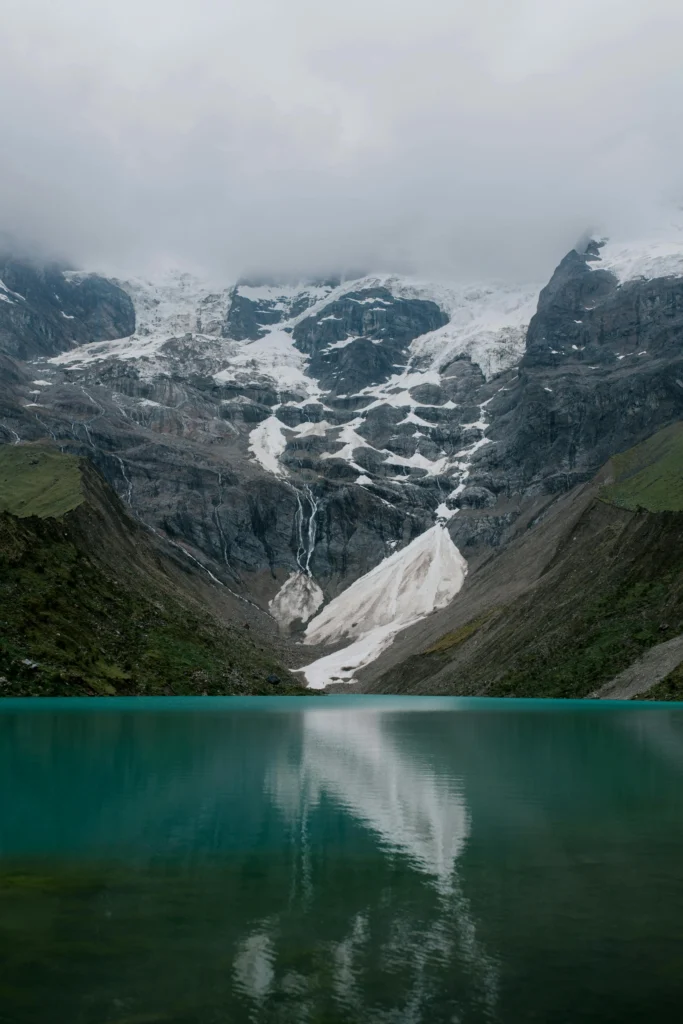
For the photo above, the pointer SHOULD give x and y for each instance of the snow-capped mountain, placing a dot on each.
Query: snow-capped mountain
(341, 453)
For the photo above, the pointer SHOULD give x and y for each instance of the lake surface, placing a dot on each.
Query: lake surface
(340, 859)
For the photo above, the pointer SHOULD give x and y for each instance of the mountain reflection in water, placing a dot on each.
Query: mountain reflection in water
(339, 860)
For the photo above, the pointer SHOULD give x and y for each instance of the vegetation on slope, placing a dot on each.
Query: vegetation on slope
(38, 481)
(670, 688)
(625, 598)
(89, 606)
(650, 476)
(612, 590)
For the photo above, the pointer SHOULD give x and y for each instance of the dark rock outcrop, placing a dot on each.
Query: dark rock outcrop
(45, 310)
(603, 369)
(361, 338)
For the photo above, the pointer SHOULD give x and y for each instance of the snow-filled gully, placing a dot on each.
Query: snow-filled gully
(404, 588)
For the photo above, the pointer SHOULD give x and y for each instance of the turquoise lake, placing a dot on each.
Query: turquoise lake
(340, 859)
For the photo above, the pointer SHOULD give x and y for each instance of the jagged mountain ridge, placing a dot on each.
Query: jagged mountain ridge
(292, 437)
(260, 392)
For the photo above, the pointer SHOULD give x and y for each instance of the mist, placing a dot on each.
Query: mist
(286, 137)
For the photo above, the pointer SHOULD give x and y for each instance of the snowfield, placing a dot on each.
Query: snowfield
(172, 306)
(299, 598)
(658, 255)
(267, 442)
(405, 587)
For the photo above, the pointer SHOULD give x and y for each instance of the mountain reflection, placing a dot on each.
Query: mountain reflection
(338, 861)
(359, 761)
(352, 758)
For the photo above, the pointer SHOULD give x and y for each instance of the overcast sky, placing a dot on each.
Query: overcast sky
(455, 137)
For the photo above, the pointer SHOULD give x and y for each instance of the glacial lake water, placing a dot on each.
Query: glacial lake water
(340, 859)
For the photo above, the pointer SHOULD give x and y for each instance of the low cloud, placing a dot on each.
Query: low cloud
(288, 136)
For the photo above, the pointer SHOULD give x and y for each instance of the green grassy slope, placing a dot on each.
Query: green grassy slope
(38, 481)
(650, 476)
(89, 604)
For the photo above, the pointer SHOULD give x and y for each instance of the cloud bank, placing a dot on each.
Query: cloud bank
(296, 136)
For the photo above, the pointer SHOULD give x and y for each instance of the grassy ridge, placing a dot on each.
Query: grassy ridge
(650, 476)
(38, 481)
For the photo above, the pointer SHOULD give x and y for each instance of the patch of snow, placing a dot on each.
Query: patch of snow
(298, 598)
(342, 666)
(66, 316)
(417, 420)
(172, 306)
(351, 441)
(658, 255)
(267, 443)
(283, 296)
(418, 461)
(340, 344)
(274, 356)
(42, 383)
(363, 480)
(310, 429)
(6, 292)
(401, 590)
(444, 512)
(488, 322)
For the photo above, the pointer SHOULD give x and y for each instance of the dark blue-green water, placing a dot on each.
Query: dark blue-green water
(350, 859)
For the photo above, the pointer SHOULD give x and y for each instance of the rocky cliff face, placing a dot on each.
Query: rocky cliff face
(46, 310)
(602, 369)
(291, 437)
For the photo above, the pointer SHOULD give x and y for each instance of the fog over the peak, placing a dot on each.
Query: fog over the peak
(449, 137)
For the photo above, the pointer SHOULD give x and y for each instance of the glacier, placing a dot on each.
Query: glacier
(405, 587)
